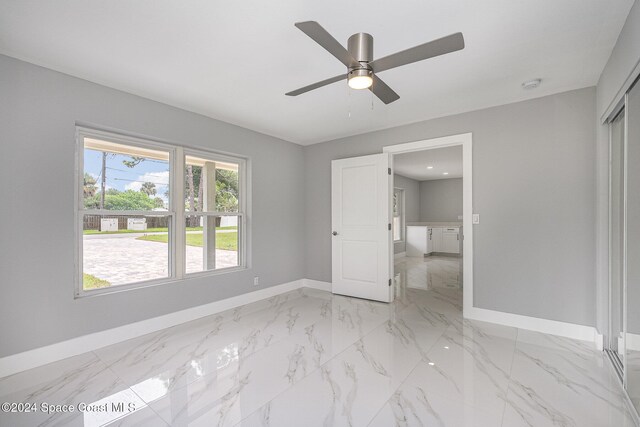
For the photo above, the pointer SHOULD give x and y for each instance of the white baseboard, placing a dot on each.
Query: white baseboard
(553, 327)
(75, 346)
(317, 284)
(400, 255)
(599, 341)
(41, 356)
(633, 341)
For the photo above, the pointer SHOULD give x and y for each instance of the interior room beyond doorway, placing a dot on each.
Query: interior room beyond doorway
(427, 207)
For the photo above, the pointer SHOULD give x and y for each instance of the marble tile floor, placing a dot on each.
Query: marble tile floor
(309, 358)
(632, 361)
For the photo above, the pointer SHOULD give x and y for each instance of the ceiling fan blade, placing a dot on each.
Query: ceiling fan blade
(427, 50)
(326, 40)
(316, 85)
(382, 91)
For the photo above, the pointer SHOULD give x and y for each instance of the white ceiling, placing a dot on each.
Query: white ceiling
(234, 60)
(414, 165)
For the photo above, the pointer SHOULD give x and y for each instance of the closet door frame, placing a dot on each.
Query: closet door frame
(621, 370)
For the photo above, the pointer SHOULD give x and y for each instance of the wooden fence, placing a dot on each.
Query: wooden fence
(92, 222)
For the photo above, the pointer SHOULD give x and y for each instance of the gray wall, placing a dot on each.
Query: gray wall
(411, 204)
(534, 189)
(441, 200)
(624, 58)
(38, 113)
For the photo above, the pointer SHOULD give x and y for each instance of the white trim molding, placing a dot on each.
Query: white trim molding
(43, 355)
(552, 327)
(466, 140)
(599, 340)
(633, 342)
(316, 284)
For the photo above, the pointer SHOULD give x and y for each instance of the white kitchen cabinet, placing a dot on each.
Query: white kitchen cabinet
(451, 240)
(436, 239)
(416, 241)
(422, 239)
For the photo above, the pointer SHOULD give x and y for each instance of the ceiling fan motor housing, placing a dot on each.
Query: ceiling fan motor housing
(360, 46)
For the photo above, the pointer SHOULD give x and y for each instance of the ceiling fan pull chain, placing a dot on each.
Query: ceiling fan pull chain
(349, 100)
(371, 100)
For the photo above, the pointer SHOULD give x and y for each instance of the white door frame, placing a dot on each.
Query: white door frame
(466, 140)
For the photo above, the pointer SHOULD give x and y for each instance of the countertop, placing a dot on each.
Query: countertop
(434, 224)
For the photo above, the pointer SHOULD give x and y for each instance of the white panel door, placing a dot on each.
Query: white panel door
(360, 217)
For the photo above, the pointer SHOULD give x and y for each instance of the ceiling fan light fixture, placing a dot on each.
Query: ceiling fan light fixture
(360, 79)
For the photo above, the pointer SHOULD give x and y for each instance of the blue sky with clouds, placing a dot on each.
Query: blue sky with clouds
(124, 178)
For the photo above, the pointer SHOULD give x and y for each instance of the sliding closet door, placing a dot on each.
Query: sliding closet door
(616, 236)
(633, 244)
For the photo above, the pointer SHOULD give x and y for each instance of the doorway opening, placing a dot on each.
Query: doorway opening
(431, 196)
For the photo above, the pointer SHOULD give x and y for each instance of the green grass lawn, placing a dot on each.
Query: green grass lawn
(90, 281)
(226, 241)
(151, 230)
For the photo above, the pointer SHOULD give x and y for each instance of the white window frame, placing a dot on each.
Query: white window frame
(241, 214)
(400, 191)
(175, 211)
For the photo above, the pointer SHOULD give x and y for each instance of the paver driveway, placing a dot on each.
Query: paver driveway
(140, 259)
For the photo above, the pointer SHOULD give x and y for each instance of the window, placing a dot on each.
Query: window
(213, 217)
(398, 214)
(150, 213)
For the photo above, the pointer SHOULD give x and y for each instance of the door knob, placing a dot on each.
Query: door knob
(335, 233)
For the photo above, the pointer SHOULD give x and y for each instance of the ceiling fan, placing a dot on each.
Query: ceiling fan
(362, 68)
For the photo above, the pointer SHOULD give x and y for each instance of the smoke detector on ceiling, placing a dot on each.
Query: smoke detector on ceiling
(531, 84)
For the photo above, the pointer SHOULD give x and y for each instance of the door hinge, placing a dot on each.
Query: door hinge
(389, 282)
(389, 170)
(389, 226)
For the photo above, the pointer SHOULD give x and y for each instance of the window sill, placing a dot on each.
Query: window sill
(156, 282)
(213, 272)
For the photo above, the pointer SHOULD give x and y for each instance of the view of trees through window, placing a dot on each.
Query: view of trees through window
(133, 243)
(211, 188)
(226, 189)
